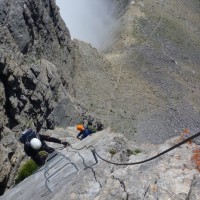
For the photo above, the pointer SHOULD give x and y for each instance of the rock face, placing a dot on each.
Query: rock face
(36, 61)
(146, 85)
(36, 30)
(36, 71)
(172, 176)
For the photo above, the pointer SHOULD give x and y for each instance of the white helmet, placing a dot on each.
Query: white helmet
(35, 143)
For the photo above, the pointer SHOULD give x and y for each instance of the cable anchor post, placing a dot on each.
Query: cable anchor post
(94, 154)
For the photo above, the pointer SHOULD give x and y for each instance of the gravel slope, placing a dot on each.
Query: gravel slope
(149, 86)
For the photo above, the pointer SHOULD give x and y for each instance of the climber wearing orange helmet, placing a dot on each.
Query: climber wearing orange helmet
(84, 131)
(80, 127)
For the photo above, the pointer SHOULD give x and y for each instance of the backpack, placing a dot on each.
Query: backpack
(90, 129)
(27, 135)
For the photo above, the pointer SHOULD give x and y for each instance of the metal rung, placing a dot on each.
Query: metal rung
(58, 170)
(51, 158)
(95, 157)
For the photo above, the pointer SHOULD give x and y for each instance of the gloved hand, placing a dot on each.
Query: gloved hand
(66, 143)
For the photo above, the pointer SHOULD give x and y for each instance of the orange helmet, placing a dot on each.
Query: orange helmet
(80, 127)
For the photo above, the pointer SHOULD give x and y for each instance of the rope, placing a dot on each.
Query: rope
(143, 161)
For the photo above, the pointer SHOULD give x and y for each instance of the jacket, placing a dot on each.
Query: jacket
(31, 152)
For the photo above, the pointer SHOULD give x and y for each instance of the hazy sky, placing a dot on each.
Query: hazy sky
(88, 20)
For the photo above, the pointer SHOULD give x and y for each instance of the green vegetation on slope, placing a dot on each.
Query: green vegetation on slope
(27, 169)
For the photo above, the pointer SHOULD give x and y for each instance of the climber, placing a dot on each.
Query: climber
(84, 131)
(34, 143)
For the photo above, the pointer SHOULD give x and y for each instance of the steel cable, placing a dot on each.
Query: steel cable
(143, 161)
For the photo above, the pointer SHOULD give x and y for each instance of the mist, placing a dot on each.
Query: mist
(91, 21)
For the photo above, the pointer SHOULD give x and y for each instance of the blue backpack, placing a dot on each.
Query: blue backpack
(27, 135)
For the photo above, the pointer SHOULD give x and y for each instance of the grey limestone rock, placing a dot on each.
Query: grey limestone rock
(146, 85)
(172, 176)
(36, 63)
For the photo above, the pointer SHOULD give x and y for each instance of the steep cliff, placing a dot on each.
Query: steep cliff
(145, 85)
(36, 71)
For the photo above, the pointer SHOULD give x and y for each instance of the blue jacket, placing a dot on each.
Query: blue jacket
(83, 134)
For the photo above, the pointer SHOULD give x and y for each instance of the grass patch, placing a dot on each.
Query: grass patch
(112, 152)
(130, 152)
(136, 151)
(27, 169)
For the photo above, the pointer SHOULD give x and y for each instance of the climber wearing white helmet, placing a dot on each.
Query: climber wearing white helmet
(34, 143)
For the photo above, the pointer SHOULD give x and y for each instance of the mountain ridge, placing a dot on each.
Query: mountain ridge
(145, 85)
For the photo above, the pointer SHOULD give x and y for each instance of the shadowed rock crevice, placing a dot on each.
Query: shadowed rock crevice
(88, 167)
(123, 186)
(3, 186)
(9, 112)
